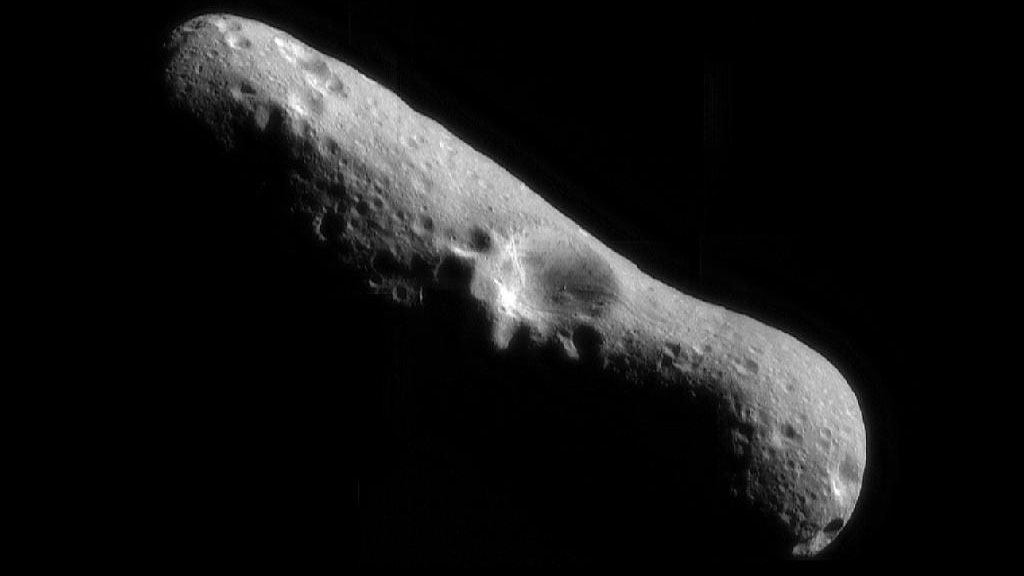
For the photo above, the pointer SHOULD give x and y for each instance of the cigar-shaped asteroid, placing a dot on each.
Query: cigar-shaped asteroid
(410, 210)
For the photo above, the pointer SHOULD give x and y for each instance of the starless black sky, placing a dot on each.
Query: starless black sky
(790, 213)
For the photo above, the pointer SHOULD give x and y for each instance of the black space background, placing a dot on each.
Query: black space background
(791, 211)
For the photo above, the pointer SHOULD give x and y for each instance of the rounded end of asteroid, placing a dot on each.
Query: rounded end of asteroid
(823, 466)
(795, 432)
(839, 491)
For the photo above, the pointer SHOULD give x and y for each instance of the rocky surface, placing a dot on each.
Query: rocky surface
(761, 436)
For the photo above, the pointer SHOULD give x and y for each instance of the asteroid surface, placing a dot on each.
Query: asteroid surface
(756, 440)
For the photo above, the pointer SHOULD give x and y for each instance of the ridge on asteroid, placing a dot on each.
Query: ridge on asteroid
(761, 438)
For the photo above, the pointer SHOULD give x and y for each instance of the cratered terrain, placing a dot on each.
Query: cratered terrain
(739, 439)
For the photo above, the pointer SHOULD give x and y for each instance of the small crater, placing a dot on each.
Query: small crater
(363, 207)
(195, 25)
(228, 25)
(790, 432)
(291, 50)
(333, 148)
(386, 263)
(332, 226)
(243, 90)
(850, 469)
(337, 87)
(746, 429)
(378, 202)
(314, 102)
(834, 526)
(237, 42)
(749, 415)
(412, 141)
(480, 240)
(750, 365)
(826, 437)
(427, 223)
(297, 104)
(315, 65)
(337, 190)
(306, 130)
(740, 443)
(744, 366)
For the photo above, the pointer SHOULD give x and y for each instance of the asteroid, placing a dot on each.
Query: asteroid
(760, 437)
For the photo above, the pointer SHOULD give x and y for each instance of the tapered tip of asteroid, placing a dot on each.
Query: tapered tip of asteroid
(417, 216)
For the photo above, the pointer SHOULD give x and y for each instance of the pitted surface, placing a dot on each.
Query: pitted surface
(413, 209)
